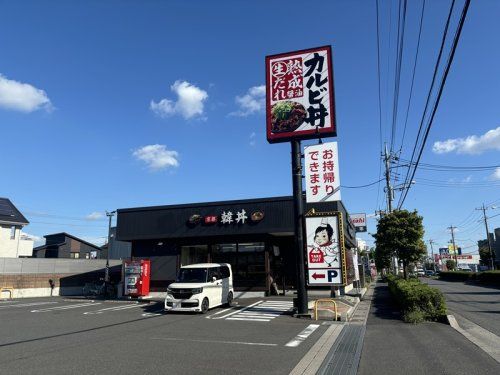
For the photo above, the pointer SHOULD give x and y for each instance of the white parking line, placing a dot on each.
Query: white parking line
(114, 308)
(250, 319)
(217, 313)
(28, 304)
(262, 311)
(238, 311)
(214, 341)
(302, 336)
(66, 307)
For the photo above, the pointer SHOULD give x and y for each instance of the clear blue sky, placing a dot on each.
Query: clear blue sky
(177, 76)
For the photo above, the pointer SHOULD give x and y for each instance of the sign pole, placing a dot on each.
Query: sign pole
(298, 205)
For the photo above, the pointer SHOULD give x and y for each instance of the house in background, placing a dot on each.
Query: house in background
(13, 243)
(64, 245)
(118, 249)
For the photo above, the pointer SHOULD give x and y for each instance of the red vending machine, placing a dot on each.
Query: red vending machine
(137, 274)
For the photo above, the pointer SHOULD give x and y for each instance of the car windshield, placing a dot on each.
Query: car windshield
(192, 275)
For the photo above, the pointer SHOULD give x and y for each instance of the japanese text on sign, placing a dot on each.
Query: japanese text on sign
(322, 173)
(300, 95)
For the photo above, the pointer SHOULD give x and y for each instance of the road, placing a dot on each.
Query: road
(65, 336)
(394, 347)
(479, 304)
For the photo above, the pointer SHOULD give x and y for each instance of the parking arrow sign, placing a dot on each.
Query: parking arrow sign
(318, 276)
(324, 276)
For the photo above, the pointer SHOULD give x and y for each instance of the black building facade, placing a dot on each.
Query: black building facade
(256, 236)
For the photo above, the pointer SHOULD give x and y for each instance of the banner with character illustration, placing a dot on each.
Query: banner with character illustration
(324, 251)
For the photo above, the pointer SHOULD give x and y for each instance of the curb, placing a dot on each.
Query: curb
(484, 339)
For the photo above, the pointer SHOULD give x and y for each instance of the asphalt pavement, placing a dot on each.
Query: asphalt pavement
(393, 347)
(65, 336)
(479, 304)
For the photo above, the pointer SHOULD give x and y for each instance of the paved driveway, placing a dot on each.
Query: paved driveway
(64, 336)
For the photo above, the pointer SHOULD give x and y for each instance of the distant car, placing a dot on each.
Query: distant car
(420, 272)
(430, 273)
(464, 269)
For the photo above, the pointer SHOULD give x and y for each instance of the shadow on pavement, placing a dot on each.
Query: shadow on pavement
(383, 305)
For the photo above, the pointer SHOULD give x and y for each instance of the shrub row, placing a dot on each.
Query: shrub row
(487, 277)
(456, 275)
(417, 301)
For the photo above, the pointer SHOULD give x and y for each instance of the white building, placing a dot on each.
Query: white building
(361, 244)
(13, 243)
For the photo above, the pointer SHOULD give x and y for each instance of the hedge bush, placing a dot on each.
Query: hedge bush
(417, 301)
(457, 275)
(489, 277)
(486, 277)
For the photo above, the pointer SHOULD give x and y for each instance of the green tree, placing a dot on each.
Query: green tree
(400, 234)
(451, 265)
(484, 252)
(382, 259)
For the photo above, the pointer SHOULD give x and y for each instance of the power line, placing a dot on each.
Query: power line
(438, 61)
(361, 186)
(397, 76)
(440, 92)
(439, 167)
(413, 74)
(67, 225)
(379, 102)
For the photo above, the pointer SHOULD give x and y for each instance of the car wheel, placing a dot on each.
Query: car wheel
(204, 305)
(229, 301)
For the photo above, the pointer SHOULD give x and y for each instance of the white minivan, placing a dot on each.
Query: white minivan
(200, 287)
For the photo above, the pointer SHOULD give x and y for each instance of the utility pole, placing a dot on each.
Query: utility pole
(106, 274)
(432, 254)
(298, 208)
(455, 250)
(484, 208)
(388, 188)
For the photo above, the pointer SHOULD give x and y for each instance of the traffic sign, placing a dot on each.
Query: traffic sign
(324, 276)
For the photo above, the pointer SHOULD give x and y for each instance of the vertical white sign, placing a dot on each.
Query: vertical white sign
(322, 173)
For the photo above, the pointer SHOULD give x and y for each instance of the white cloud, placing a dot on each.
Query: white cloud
(496, 174)
(98, 241)
(471, 145)
(36, 239)
(252, 139)
(157, 157)
(22, 97)
(254, 101)
(94, 216)
(189, 104)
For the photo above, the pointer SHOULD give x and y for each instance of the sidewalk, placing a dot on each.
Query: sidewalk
(394, 347)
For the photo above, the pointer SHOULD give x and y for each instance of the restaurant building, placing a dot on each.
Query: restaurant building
(255, 236)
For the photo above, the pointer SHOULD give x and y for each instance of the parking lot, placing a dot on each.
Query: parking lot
(63, 335)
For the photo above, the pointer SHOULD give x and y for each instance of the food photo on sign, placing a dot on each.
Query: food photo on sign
(323, 249)
(299, 95)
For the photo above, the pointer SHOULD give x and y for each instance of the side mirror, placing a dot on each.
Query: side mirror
(214, 279)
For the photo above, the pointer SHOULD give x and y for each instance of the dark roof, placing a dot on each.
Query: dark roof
(73, 237)
(10, 214)
(206, 204)
(50, 245)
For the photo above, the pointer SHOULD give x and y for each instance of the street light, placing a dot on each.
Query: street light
(106, 274)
